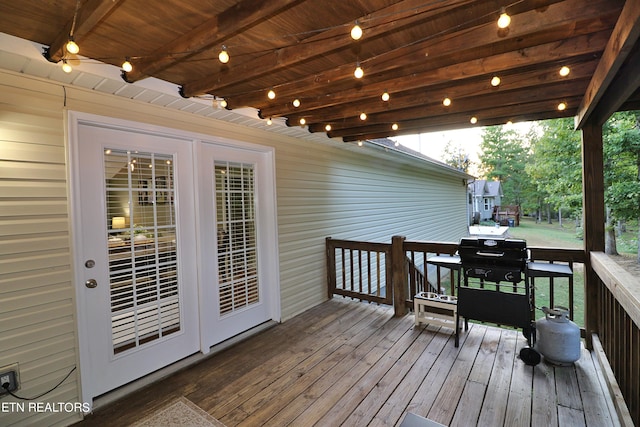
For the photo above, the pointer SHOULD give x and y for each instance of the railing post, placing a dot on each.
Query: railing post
(399, 275)
(331, 267)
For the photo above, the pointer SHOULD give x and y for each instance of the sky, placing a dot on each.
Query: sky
(469, 139)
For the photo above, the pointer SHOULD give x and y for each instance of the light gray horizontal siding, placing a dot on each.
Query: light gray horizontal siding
(37, 319)
(327, 192)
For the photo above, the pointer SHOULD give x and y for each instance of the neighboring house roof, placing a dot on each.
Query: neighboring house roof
(484, 188)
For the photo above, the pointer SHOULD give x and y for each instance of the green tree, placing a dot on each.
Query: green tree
(555, 166)
(504, 156)
(455, 156)
(621, 134)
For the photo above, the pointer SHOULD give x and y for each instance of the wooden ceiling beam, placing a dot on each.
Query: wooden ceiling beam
(462, 46)
(406, 13)
(480, 106)
(88, 16)
(623, 39)
(500, 115)
(439, 127)
(237, 18)
(621, 89)
(458, 92)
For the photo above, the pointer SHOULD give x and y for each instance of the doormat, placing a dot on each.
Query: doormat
(181, 412)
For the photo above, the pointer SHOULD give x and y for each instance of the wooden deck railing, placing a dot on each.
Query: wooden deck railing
(394, 273)
(618, 320)
(359, 270)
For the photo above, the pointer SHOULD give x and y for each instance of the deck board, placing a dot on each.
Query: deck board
(354, 364)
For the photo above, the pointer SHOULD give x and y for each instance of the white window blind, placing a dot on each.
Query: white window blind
(143, 263)
(236, 225)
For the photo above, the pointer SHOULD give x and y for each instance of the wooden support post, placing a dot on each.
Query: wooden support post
(399, 275)
(331, 267)
(594, 219)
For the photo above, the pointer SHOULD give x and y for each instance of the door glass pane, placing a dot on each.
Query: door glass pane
(143, 266)
(236, 225)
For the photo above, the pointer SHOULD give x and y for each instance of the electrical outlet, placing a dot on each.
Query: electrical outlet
(9, 375)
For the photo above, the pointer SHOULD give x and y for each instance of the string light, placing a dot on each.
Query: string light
(473, 120)
(302, 121)
(358, 72)
(126, 66)
(564, 71)
(66, 67)
(296, 103)
(360, 143)
(327, 127)
(356, 32)
(72, 47)
(504, 20)
(562, 106)
(394, 126)
(495, 81)
(269, 121)
(385, 96)
(223, 56)
(363, 116)
(223, 103)
(446, 102)
(271, 94)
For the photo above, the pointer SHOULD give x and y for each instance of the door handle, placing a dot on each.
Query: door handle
(91, 283)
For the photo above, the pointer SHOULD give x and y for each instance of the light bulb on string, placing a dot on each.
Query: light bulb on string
(363, 116)
(356, 32)
(394, 126)
(126, 66)
(495, 81)
(223, 103)
(358, 72)
(473, 120)
(385, 96)
(504, 20)
(223, 56)
(564, 71)
(271, 94)
(66, 67)
(296, 103)
(562, 106)
(72, 47)
(302, 121)
(446, 102)
(327, 127)
(269, 121)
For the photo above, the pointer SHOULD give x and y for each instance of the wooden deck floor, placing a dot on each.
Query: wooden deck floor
(354, 364)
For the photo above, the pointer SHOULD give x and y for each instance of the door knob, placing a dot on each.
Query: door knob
(91, 283)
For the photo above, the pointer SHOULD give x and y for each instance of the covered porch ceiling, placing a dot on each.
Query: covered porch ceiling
(418, 52)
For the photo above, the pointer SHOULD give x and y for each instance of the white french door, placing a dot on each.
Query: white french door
(137, 278)
(236, 262)
(175, 246)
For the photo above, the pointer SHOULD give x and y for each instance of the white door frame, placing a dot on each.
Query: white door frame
(269, 245)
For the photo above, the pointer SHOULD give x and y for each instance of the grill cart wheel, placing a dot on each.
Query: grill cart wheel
(529, 356)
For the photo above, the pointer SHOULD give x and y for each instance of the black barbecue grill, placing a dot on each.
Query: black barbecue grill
(496, 287)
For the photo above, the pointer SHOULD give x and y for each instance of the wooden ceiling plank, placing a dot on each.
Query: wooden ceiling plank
(459, 91)
(498, 115)
(456, 126)
(387, 20)
(624, 37)
(243, 15)
(557, 50)
(88, 16)
(471, 44)
(477, 106)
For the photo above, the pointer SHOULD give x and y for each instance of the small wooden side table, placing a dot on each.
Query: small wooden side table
(446, 309)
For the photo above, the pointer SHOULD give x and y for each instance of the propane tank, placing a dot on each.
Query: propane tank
(558, 337)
